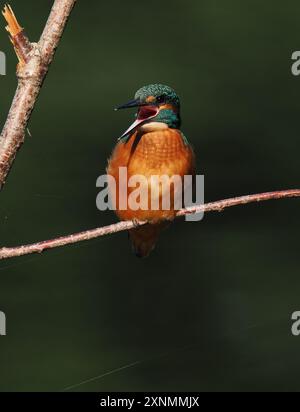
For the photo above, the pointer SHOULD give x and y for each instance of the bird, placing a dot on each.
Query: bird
(153, 145)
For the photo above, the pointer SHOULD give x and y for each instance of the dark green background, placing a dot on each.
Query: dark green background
(210, 308)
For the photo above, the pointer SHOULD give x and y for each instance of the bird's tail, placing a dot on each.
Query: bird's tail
(144, 238)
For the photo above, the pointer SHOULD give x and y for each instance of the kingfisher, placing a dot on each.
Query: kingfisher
(153, 145)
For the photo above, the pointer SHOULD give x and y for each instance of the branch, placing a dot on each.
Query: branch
(34, 61)
(6, 253)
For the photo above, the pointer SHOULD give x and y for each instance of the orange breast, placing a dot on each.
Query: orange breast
(156, 153)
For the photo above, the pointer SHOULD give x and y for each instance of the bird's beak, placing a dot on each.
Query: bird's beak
(145, 113)
(131, 103)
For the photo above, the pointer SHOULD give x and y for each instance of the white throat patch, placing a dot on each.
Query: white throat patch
(153, 127)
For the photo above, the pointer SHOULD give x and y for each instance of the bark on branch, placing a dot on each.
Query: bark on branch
(34, 60)
(6, 253)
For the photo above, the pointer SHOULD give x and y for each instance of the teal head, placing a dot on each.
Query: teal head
(155, 103)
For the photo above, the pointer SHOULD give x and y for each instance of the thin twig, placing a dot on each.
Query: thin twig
(34, 60)
(6, 253)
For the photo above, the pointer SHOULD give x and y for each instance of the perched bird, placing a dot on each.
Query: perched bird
(152, 146)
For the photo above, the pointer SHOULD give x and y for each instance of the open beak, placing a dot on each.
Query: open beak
(145, 113)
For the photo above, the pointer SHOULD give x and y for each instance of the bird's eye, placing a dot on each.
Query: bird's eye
(160, 99)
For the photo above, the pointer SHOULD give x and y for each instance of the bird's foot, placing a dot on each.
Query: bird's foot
(136, 223)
